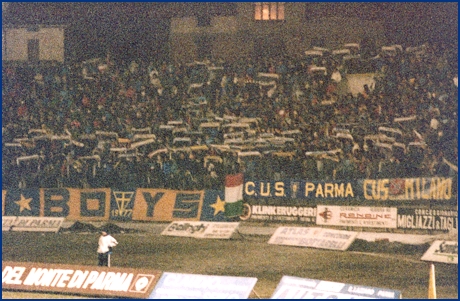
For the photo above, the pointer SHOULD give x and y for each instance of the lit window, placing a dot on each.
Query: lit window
(269, 11)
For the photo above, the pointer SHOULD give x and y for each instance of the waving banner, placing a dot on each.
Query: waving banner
(234, 195)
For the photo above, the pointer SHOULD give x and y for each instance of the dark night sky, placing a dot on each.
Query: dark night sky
(69, 12)
(74, 11)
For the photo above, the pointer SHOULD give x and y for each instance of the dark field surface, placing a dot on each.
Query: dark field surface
(378, 264)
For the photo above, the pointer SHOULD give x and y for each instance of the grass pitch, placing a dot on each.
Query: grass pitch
(381, 264)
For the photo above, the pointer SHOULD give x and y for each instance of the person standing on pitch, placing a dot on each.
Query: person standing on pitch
(106, 243)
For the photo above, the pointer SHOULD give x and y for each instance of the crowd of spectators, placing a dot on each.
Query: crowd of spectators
(75, 125)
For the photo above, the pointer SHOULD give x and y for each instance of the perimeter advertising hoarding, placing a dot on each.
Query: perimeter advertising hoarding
(71, 203)
(304, 288)
(167, 205)
(163, 205)
(313, 237)
(222, 230)
(282, 213)
(103, 204)
(427, 219)
(301, 189)
(442, 251)
(30, 223)
(190, 286)
(354, 216)
(77, 279)
(395, 189)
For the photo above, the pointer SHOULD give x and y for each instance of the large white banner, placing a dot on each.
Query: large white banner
(31, 223)
(220, 230)
(442, 251)
(353, 216)
(303, 288)
(313, 237)
(191, 286)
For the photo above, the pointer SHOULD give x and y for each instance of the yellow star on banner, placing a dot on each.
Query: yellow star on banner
(218, 206)
(24, 203)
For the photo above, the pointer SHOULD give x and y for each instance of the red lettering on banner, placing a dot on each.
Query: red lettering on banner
(364, 216)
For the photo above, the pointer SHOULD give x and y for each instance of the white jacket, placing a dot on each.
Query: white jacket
(106, 242)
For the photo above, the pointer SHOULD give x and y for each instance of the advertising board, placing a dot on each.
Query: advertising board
(427, 219)
(354, 216)
(77, 279)
(282, 213)
(190, 286)
(313, 237)
(304, 288)
(442, 251)
(32, 223)
(216, 230)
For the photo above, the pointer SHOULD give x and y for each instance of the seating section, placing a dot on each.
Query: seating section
(329, 114)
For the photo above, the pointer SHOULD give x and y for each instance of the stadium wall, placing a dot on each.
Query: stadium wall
(50, 40)
(240, 36)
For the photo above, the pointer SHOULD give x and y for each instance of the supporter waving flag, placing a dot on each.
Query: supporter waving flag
(234, 195)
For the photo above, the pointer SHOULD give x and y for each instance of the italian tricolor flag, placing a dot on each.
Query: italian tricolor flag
(234, 195)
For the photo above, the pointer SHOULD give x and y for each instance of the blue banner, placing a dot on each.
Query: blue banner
(410, 189)
(397, 189)
(102, 204)
(25, 202)
(301, 189)
(213, 206)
